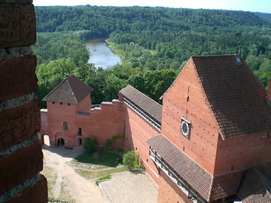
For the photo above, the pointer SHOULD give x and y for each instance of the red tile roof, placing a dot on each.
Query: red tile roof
(198, 178)
(235, 95)
(148, 105)
(208, 186)
(70, 90)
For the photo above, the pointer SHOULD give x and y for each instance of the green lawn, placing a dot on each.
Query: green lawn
(110, 158)
(106, 161)
(95, 174)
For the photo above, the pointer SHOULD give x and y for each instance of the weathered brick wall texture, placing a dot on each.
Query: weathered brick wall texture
(20, 152)
(241, 152)
(137, 132)
(103, 123)
(191, 104)
(169, 192)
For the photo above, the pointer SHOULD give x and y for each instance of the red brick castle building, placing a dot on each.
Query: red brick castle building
(210, 141)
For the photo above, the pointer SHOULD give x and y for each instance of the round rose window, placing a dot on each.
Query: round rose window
(185, 128)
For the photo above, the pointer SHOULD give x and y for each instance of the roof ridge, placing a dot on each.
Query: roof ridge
(143, 94)
(205, 94)
(221, 75)
(214, 56)
(55, 88)
(71, 88)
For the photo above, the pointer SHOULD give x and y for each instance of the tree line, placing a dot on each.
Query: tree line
(154, 44)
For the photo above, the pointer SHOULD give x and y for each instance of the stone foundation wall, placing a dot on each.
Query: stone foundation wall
(20, 152)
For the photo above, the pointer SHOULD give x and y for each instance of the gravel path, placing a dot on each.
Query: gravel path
(82, 190)
(127, 187)
(124, 187)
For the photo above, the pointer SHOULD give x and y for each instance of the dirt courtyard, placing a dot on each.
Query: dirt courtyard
(66, 185)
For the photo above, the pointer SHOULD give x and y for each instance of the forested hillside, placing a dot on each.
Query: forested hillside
(153, 44)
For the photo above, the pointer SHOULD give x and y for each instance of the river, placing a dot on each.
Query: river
(100, 54)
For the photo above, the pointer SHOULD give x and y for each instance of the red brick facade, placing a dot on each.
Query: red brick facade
(91, 122)
(169, 192)
(191, 104)
(138, 131)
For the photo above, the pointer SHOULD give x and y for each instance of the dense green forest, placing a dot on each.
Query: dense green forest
(154, 44)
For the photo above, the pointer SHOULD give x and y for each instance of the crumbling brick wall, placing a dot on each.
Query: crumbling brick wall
(20, 152)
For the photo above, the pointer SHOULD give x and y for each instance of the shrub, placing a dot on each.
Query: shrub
(130, 160)
(90, 145)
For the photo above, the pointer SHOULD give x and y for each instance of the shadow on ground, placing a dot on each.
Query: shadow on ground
(65, 152)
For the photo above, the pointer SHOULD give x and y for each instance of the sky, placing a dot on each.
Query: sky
(244, 5)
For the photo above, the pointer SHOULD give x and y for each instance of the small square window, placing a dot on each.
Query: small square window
(185, 127)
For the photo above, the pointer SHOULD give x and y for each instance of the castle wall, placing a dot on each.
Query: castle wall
(20, 151)
(138, 131)
(185, 98)
(169, 192)
(241, 152)
(107, 122)
(102, 123)
(84, 105)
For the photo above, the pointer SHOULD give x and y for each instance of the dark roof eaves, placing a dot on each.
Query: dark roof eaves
(156, 105)
(142, 94)
(143, 110)
(207, 197)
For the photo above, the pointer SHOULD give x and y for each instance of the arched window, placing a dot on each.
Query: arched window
(65, 125)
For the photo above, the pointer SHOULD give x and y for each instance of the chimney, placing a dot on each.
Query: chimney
(269, 90)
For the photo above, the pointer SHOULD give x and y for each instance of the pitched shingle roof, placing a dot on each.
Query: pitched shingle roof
(256, 187)
(208, 186)
(189, 170)
(70, 90)
(148, 105)
(236, 97)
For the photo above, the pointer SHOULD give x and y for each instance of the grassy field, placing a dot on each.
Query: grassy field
(110, 158)
(89, 174)
(101, 163)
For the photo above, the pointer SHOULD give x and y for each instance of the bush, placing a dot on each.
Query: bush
(130, 160)
(90, 145)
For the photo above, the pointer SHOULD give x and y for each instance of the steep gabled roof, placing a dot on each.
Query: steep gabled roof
(235, 95)
(148, 105)
(256, 187)
(187, 168)
(70, 90)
